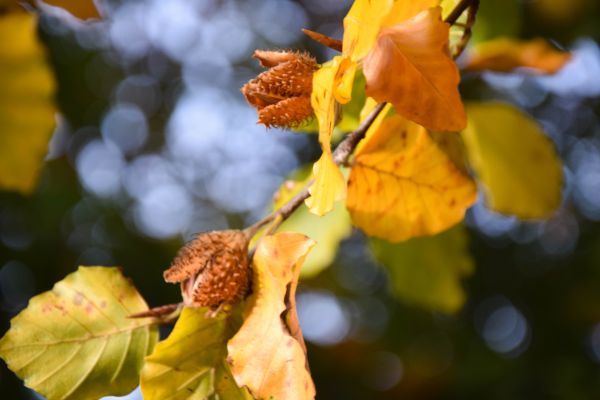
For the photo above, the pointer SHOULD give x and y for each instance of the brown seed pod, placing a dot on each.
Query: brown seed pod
(212, 269)
(282, 93)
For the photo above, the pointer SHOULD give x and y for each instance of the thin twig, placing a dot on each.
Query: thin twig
(343, 151)
(458, 10)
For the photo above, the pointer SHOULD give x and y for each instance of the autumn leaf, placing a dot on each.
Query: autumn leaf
(333, 81)
(515, 163)
(410, 66)
(76, 341)
(266, 354)
(190, 363)
(403, 185)
(505, 55)
(427, 271)
(82, 9)
(327, 231)
(26, 102)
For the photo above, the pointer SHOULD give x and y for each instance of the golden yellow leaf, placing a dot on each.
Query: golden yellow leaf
(265, 355)
(427, 271)
(410, 66)
(361, 26)
(329, 185)
(26, 103)
(83, 9)
(514, 161)
(190, 363)
(403, 10)
(403, 185)
(506, 54)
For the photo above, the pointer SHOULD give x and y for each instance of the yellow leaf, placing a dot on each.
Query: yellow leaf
(77, 341)
(361, 26)
(265, 355)
(505, 55)
(26, 103)
(83, 9)
(410, 66)
(403, 10)
(190, 363)
(427, 271)
(329, 185)
(514, 161)
(402, 184)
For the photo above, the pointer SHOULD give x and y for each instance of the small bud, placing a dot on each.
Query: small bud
(212, 269)
(282, 93)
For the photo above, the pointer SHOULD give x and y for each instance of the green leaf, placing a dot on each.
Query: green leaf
(76, 341)
(515, 162)
(427, 271)
(26, 103)
(190, 363)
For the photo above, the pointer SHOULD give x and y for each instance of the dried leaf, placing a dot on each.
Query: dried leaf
(403, 185)
(506, 54)
(27, 109)
(361, 26)
(410, 66)
(265, 355)
(516, 164)
(77, 340)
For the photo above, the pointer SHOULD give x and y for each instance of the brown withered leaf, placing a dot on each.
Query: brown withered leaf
(265, 356)
(282, 93)
(212, 269)
(505, 55)
(410, 66)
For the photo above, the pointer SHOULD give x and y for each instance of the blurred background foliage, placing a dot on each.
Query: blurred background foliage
(155, 142)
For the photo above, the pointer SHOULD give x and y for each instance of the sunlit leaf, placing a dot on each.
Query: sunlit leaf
(266, 355)
(329, 185)
(505, 55)
(361, 26)
(190, 363)
(410, 66)
(26, 103)
(403, 10)
(427, 271)
(83, 9)
(77, 342)
(402, 184)
(515, 162)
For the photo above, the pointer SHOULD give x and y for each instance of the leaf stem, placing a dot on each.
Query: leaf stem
(458, 10)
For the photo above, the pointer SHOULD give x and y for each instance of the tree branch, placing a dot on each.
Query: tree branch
(346, 147)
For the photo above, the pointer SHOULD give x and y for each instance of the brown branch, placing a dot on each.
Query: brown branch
(346, 147)
(458, 10)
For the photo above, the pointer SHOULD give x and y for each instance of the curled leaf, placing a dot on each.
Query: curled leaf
(266, 354)
(77, 340)
(410, 66)
(403, 184)
(505, 55)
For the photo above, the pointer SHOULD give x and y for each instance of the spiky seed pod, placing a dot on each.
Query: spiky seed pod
(282, 93)
(212, 269)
